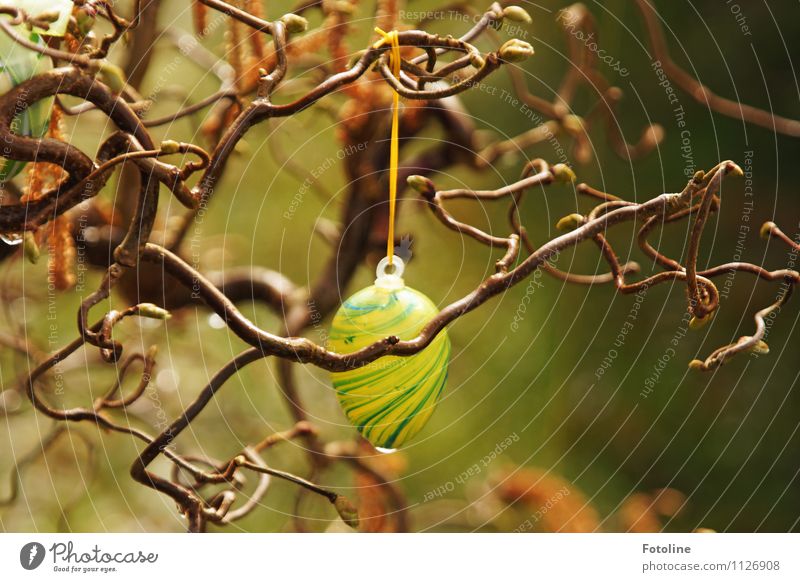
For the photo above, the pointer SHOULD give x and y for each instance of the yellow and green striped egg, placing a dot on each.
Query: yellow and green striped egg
(388, 400)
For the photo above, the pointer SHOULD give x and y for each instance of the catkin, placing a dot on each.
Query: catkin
(58, 233)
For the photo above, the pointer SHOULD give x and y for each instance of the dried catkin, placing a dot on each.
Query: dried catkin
(235, 52)
(61, 260)
(58, 233)
(199, 18)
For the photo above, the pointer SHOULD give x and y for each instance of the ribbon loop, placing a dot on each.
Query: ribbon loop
(392, 39)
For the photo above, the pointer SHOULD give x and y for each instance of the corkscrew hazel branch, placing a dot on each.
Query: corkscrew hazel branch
(93, 415)
(230, 515)
(83, 182)
(770, 229)
(605, 216)
(18, 17)
(148, 364)
(648, 227)
(303, 350)
(700, 92)
(186, 497)
(702, 304)
(242, 16)
(745, 344)
(583, 70)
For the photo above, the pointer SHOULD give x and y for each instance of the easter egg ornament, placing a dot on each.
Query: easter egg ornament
(389, 400)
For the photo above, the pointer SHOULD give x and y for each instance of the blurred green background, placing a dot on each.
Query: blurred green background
(727, 441)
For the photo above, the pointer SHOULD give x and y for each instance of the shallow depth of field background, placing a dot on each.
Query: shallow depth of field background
(727, 441)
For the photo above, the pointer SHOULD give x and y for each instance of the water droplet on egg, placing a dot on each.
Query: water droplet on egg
(215, 321)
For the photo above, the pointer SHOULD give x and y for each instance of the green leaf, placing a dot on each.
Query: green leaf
(18, 64)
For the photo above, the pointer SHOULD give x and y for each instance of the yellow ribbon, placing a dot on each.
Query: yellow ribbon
(391, 38)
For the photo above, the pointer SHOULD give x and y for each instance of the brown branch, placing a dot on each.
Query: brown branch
(700, 92)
